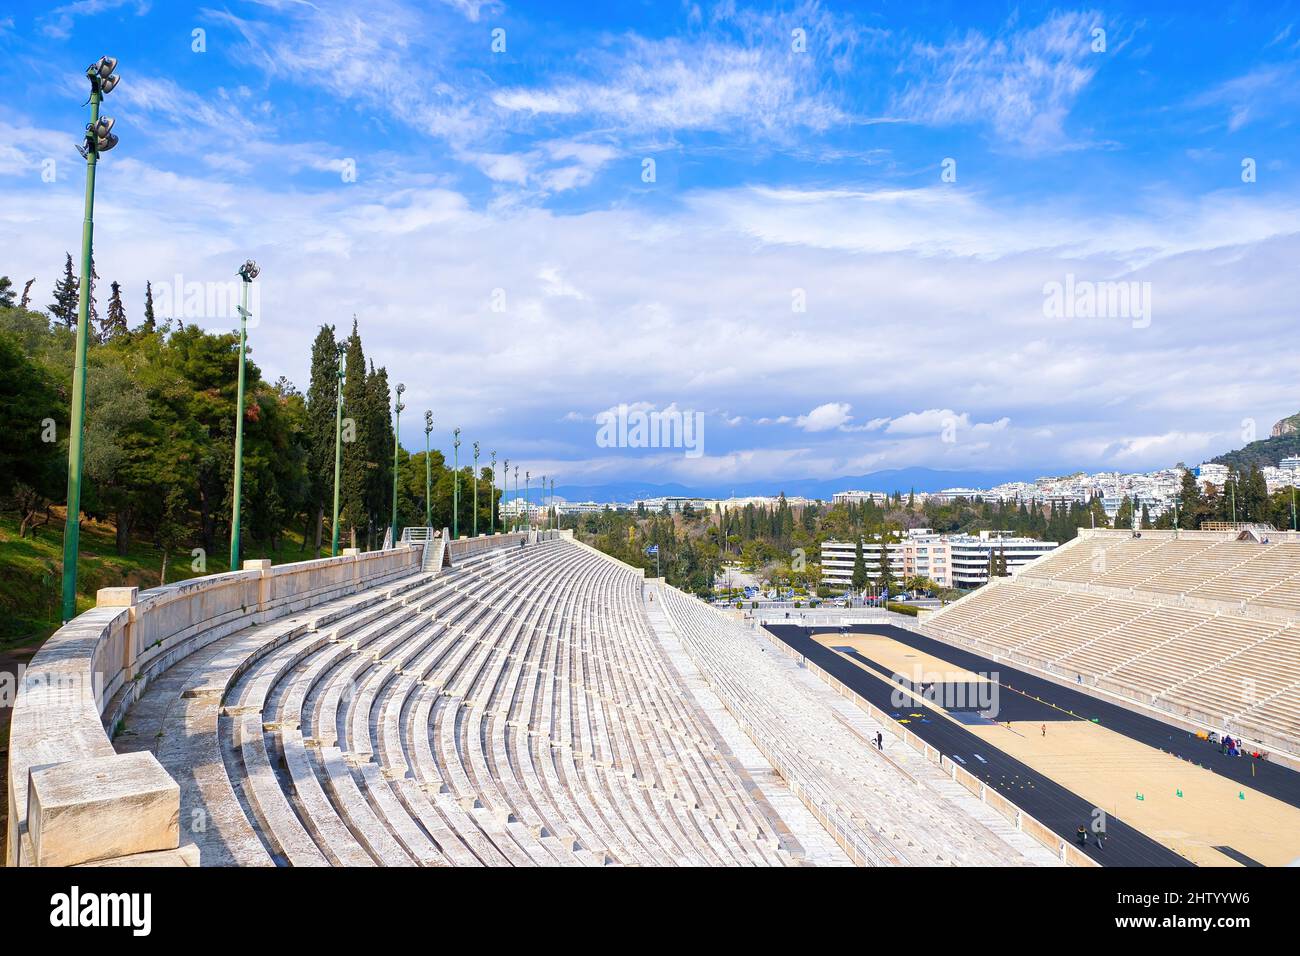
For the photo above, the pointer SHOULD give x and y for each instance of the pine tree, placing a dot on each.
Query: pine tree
(6, 293)
(115, 319)
(94, 306)
(64, 307)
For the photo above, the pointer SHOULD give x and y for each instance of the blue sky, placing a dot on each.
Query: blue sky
(486, 216)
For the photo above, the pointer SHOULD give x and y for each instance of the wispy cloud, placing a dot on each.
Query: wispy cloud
(1021, 81)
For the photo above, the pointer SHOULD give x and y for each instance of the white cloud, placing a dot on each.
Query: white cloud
(825, 417)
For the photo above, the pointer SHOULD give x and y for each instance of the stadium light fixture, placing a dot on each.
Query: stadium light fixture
(505, 489)
(455, 485)
(99, 138)
(428, 472)
(492, 496)
(247, 272)
(474, 476)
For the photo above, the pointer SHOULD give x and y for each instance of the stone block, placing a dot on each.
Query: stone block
(102, 807)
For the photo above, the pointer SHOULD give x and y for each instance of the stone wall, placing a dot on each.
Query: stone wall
(86, 803)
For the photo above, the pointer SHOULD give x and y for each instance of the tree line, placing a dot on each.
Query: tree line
(782, 542)
(159, 434)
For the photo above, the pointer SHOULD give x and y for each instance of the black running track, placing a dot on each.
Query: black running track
(1041, 797)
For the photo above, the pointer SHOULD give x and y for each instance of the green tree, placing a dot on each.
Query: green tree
(859, 578)
(150, 324)
(64, 307)
(354, 507)
(321, 400)
(114, 323)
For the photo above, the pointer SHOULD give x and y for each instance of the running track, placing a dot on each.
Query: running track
(1053, 805)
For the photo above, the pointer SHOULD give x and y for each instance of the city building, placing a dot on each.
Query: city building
(971, 553)
(950, 561)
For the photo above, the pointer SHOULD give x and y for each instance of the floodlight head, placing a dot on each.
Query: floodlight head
(104, 126)
(400, 388)
(106, 66)
(104, 144)
(249, 270)
(110, 84)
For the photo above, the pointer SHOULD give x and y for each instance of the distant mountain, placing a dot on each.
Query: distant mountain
(1284, 442)
(897, 479)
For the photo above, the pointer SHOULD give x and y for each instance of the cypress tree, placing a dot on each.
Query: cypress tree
(150, 323)
(380, 442)
(352, 506)
(320, 426)
(859, 579)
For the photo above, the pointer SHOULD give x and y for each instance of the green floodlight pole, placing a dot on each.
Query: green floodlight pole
(505, 490)
(475, 534)
(247, 272)
(1234, 501)
(557, 510)
(428, 472)
(99, 139)
(397, 444)
(492, 496)
(1293, 527)
(342, 352)
(455, 486)
(514, 518)
(528, 481)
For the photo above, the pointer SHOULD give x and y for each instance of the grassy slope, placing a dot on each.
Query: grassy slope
(31, 569)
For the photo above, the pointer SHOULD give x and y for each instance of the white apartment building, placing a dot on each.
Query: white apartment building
(858, 497)
(837, 559)
(580, 507)
(921, 552)
(970, 555)
(956, 561)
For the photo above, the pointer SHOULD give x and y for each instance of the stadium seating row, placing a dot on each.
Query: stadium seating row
(513, 710)
(1192, 623)
(882, 816)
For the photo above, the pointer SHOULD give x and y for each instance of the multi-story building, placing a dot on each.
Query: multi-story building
(920, 553)
(580, 507)
(950, 561)
(858, 497)
(837, 558)
(970, 555)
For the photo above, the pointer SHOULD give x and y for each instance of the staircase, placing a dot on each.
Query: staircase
(434, 547)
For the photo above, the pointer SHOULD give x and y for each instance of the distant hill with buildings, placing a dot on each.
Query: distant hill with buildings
(897, 479)
(1283, 442)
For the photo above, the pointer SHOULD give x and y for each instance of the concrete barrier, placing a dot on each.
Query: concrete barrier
(83, 679)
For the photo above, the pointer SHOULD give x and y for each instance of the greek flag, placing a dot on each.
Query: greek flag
(652, 550)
